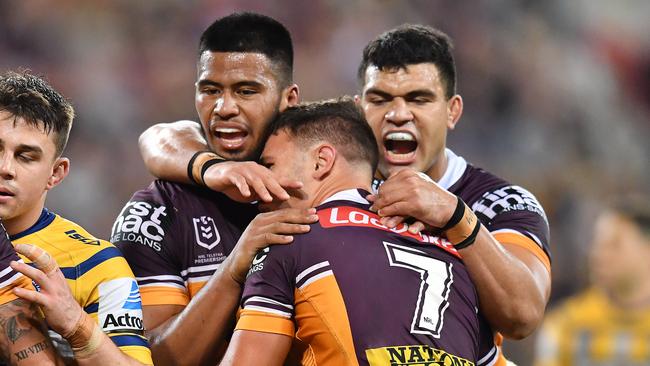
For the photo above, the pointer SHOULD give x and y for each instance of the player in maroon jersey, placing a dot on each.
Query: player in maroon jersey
(409, 96)
(351, 291)
(179, 238)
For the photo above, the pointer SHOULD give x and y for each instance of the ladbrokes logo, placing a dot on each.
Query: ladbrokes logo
(413, 356)
(140, 222)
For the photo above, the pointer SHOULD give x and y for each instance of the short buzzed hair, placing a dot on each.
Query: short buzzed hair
(254, 33)
(31, 98)
(339, 122)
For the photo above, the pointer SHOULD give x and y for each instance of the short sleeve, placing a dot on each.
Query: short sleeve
(514, 215)
(268, 297)
(9, 279)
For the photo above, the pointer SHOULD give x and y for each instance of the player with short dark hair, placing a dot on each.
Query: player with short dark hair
(351, 291)
(410, 103)
(181, 240)
(82, 303)
(409, 99)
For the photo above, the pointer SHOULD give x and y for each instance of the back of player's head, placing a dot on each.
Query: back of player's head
(254, 33)
(31, 98)
(411, 44)
(339, 122)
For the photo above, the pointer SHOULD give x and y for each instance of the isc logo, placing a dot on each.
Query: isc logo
(140, 222)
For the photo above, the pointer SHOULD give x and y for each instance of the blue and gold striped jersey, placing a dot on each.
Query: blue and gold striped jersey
(588, 329)
(99, 277)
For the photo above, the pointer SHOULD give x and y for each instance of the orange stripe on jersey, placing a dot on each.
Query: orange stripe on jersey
(260, 321)
(524, 242)
(323, 323)
(195, 287)
(163, 295)
(6, 293)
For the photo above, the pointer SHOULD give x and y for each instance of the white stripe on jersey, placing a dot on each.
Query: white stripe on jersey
(10, 280)
(490, 359)
(207, 267)
(161, 278)
(6, 271)
(311, 269)
(268, 310)
(317, 277)
(270, 301)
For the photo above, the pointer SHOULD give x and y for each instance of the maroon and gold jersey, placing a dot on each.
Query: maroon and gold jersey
(175, 236)
(511, 213)
(8, 277)
(353, 292)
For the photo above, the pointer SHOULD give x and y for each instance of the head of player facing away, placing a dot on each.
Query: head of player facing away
(326, 145)
(408, 95)
(35, 122)
(620, 252)
(244, 80)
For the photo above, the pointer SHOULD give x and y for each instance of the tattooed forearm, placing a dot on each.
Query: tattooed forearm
(31, 350)
(23, 335)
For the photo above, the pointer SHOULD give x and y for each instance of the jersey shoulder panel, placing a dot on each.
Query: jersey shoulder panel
(503, 207)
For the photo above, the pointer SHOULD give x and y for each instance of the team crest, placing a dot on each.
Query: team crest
(206, 232)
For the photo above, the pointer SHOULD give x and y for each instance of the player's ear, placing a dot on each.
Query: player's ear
(357, 99)
(454, 111)
(60, 170)
(325, 155)
(290, 97)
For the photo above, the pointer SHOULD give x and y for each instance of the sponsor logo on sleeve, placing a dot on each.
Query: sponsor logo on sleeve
(258, 261)
(506, 199)
(120, 307)
(140, 222)
(205, 231)
(417, 355)
(73, 234)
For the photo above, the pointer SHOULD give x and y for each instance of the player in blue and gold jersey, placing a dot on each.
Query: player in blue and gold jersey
(35, 121)
(608, 323)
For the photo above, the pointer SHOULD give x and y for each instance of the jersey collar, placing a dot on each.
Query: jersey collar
(456, 166)
(354, 195)
(45, 219)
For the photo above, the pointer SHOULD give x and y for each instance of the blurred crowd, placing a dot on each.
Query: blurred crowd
(557, 93)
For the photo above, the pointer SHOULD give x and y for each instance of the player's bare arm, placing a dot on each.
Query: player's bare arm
(513, 284)
(167, 148)
(23, 335)
(64, 315)
(178, 152)
(213, 309)
(270, 349)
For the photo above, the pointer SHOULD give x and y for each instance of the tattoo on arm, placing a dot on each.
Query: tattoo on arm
(21, 326)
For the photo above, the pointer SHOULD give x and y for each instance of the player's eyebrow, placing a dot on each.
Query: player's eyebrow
(207, 82)
(379, 92)
(29, 148)
(420, 93)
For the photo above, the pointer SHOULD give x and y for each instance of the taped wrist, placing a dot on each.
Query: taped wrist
(199, 163)
(463, 227)
(85, 338)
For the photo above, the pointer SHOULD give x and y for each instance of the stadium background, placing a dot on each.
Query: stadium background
(557, 93)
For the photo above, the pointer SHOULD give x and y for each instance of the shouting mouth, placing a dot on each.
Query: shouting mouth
(400, 147)
(230, 138)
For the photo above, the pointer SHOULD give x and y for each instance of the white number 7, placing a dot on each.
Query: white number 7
(436, 283)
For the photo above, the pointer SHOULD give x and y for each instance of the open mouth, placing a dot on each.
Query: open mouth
(231, 138)
(400, 146)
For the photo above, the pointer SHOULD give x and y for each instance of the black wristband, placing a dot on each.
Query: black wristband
(208, 164)
(470, 239)
(190, 166)
(456, 216)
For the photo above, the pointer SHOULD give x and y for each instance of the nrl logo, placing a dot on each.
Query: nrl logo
(206, 232)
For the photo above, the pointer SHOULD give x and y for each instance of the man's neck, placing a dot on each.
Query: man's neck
(439, 166)
(632, 299)
(340, 182)
(18, 224)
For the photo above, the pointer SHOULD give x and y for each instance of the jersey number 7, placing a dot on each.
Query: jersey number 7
(436, 279)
